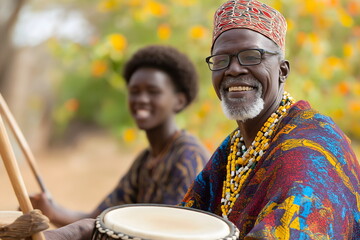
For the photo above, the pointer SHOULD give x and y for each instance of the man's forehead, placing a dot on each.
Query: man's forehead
(242, 38)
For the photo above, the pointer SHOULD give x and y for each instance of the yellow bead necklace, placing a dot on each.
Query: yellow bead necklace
(242, 161)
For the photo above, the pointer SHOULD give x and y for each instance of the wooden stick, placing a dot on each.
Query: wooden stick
(13, 171)
(5, 111)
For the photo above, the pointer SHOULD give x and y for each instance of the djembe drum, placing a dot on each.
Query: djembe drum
(16, 225)
(161, 222)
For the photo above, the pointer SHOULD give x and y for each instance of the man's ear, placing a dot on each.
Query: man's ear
(284, 70)
(180, 103)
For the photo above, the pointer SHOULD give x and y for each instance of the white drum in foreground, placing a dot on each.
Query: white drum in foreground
(161, 222)
(8, 217)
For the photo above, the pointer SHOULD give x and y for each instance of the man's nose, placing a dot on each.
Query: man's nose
(235, 68)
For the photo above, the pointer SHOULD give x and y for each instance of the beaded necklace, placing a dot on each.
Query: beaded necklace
(241, 161)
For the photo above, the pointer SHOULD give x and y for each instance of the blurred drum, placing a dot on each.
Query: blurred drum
(8, 217)
(161, 222)
(16, 225)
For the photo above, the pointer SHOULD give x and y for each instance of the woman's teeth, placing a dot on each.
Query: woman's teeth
(141, 113)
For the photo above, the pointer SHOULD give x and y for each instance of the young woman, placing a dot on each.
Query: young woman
(161, 82)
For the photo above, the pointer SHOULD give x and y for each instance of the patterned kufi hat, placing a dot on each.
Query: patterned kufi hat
(250, 14)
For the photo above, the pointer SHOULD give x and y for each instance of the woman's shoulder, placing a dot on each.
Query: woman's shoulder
(186, 142)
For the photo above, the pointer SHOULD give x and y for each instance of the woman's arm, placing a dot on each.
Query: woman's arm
(80, 230)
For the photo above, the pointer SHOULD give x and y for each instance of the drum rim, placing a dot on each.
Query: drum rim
(99, 220)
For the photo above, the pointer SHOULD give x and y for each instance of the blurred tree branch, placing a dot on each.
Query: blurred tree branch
(6, 48)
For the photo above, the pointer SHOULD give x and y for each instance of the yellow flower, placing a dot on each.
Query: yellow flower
(310, 6)
(343, 87)
(348, 50)
(338, 114)
(117, 41)
(164, 31)
(157, 9)
(334, 61)
(278, 5)
(290, 24)
(186, 3)
(205, 109)
(354, 106)
(107, 5)
(308, 85)
(129, 135)
(356, 89)
(326, 71)
(209, 144)
(354, 7)
(332, 3)
(134, 3)
(345, 18)
(98, 68)
(198, 32)
(72, 105)
(314, 38)
(301, 38)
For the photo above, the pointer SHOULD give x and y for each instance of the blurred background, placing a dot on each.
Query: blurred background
(60, 73)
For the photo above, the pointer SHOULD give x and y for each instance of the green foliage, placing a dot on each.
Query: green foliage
(322, 39)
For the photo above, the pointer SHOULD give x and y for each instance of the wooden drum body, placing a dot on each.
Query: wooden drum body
(161, 222)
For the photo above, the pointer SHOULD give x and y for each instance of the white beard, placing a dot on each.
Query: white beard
(243, 112)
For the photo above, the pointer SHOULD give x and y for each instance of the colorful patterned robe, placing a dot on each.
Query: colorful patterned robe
(167, 181)
(306, 186)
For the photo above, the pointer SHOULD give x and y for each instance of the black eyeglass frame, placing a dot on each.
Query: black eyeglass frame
(262, 52)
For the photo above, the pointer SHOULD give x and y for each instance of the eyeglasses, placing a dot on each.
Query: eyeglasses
(246, 57)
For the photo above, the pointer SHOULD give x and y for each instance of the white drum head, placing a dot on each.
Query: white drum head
(8, 217)
(161, 222)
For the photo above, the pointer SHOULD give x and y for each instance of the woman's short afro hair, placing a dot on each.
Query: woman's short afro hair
(168, 59)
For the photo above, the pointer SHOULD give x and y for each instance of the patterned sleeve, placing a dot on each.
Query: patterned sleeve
(126, 190)
(188, 164)
(202, 193)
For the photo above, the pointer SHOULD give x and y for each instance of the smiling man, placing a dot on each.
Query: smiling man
(286, 171)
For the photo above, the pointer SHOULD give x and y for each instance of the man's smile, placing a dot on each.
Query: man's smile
(240, 88)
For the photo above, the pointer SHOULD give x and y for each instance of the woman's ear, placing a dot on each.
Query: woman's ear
(284, 71)
(180, 103)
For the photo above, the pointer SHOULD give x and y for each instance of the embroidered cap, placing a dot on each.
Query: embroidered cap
(253, 15)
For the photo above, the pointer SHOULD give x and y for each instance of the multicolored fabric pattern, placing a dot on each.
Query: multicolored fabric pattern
(167, 182)
(251, 14)
(306, 186)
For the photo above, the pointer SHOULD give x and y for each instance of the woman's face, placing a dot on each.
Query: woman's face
(152, 98)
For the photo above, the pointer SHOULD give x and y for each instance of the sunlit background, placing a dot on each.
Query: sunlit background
(61, 63)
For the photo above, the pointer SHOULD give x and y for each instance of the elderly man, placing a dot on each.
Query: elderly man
(286, 172)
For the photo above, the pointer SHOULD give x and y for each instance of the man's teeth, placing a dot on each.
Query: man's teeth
(143, 113)
(240, 88)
